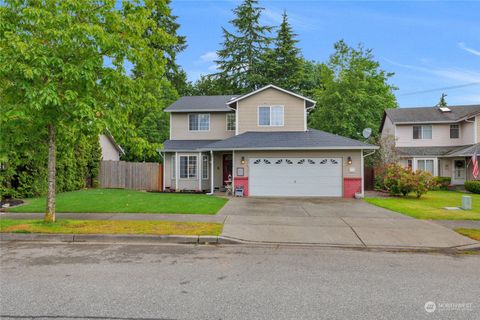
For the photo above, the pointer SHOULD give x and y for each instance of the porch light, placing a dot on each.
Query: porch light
(349, 160)
(242, 160)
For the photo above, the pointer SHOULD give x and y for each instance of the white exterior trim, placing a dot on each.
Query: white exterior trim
(305, 116)
(212, 183)
(270, 114)
(198, 113)
(199, 170)
(236, 120)
(362, 175)
(267, 87)
(299, 148)
(177, 171)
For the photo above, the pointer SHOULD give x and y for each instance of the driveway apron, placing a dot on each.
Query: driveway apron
(331, 221)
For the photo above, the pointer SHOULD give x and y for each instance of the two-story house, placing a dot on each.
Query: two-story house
(259, 141)
(438, 140)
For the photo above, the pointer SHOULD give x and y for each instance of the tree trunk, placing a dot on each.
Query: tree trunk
(52, 159)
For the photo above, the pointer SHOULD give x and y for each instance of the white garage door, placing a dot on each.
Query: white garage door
(304, 177)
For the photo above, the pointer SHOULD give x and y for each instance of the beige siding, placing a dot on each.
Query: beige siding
(477, 120)
(218, 128)
(109, 152)
(294, 111)
(445, 167)
(440, 136)
(353, 170)
(388, 127)
(184, 184)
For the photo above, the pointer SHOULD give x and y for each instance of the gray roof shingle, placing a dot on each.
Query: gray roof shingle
(425, 151)
(466, 151)
(431, 114)
(186, 145)
(201, 103)
(311, 139)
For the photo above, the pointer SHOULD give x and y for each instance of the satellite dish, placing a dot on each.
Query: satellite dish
(367, 132)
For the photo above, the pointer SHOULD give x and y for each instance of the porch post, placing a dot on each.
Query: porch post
(176, 171)
(362, 174)
(233, 172)
(200, 171)
(212, 185)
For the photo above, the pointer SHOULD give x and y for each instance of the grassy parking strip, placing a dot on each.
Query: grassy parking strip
(431, 205)
(111, 227)
(471, 233)
(127, 201)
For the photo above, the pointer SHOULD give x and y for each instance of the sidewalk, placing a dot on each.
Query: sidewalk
(120, 216)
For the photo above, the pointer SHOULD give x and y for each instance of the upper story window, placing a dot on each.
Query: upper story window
(270, 116)
(199, 122)
(454, 131)
(231, 121)
(422, 132)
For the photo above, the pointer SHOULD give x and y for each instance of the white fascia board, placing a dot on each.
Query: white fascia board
(267, 87)
(299, 148)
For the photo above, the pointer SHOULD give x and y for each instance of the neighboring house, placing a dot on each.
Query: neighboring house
(261, 141)
(438, 140)
(110, 149)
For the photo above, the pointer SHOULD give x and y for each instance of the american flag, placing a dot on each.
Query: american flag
(475, 165)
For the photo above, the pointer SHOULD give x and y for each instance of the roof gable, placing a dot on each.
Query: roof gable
(270, 86)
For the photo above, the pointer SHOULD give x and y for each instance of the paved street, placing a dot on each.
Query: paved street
(83, 281)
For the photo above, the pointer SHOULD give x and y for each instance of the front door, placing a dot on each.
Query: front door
(459, 171)
(227, 167)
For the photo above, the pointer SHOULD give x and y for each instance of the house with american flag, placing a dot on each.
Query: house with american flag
(444, 141)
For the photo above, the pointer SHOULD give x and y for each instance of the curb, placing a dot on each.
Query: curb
(116, 238)
(205, 240)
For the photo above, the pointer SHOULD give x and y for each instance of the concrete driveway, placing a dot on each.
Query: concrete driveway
(331, 221)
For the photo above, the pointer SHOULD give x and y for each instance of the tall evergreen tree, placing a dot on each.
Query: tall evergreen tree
(442, 102)
(283, 64)
(239, 60)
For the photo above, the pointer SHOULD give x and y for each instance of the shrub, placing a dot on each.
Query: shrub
(392, 178)
(443, 182)
(472, 186)
(400, 180)
(424, 181)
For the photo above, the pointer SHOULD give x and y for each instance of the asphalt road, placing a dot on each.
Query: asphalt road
(85, 281)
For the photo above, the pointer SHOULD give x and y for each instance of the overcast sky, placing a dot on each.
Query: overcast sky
(427, 44)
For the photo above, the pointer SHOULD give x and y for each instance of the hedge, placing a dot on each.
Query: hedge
(472, 186)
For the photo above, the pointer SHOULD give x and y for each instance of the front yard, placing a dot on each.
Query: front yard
(431, 205)
(111, 227)
(127, 201)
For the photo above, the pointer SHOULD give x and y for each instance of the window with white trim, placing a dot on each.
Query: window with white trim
(231, 121)
(205, 167)
(454, 131)
(270, 116)
(426, 165)
(422, 132)
(172, 164)
(199, 122)
(188, 167)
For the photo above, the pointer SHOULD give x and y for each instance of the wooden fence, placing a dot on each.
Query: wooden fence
(131, 175)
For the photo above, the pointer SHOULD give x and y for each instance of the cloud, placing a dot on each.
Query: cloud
(273, 16)
(209, 56)
(455, 74)
(463, 46)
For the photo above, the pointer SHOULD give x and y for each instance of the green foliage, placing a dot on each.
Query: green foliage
(472, 186)
(240, 58)
(282, 65)
(400, 180)
(63, 65)
(354, 93)
(443, 182)
(442, 102)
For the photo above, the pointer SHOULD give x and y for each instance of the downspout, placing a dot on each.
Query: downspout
(212, 186)
(362, 171)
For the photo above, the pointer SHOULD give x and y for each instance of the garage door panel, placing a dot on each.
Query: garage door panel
(295, 176)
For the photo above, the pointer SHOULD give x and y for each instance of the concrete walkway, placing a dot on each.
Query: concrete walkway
(453, 224)
(336, 222)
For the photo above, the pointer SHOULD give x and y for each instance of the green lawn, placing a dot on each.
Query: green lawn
(125, 201)
(111, 227)
(430, 205)
(471, 233)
